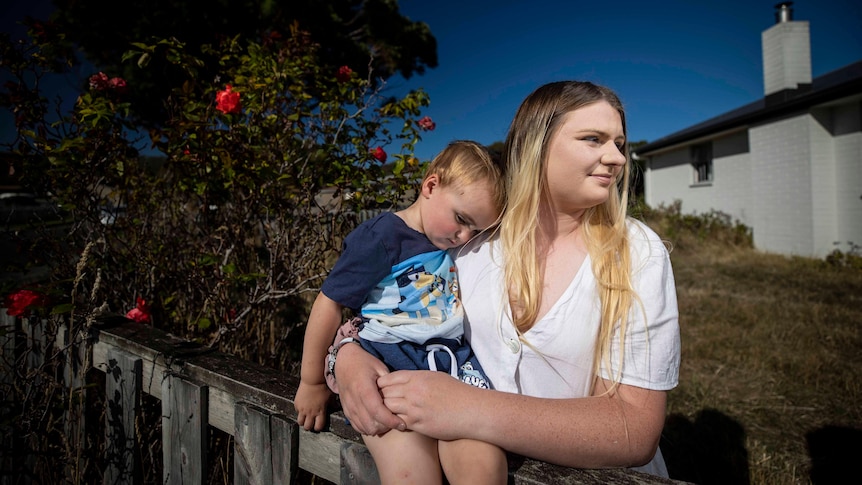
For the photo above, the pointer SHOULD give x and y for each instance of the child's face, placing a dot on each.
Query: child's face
(454, 213)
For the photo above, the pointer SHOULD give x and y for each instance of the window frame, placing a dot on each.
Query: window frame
(700, 156)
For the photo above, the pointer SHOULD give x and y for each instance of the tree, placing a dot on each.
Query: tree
(497, 148)
(636, 184)
(348, 32)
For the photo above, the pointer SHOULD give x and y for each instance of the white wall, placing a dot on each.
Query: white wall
(847, 132)
(670, 177)
(781, 182)
(731, 190)
(824, 208)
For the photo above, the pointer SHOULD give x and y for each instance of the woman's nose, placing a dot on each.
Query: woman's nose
(614, 156)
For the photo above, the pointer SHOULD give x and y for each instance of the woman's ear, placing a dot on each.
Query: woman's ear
(430, 184)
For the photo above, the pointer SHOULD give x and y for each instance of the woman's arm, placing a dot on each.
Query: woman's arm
(617, 429)
(356, 372)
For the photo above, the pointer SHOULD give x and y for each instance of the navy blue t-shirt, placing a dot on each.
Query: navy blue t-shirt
(395, 277)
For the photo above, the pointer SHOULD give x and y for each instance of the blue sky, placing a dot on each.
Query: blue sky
(673, 63)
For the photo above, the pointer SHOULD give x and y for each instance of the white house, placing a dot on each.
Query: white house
(789, 166)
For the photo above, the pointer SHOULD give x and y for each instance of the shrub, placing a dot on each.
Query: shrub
(686, 231)
(845, 259)
(265, 169)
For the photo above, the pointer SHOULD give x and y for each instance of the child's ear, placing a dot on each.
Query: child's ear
(431, 183)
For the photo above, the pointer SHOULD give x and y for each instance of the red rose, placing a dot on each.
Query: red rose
(426, 123)
(227, 101)
(343, 74)
(118, 84)
(141, 312)
(18, 303)
(379, 154)
(99, 81)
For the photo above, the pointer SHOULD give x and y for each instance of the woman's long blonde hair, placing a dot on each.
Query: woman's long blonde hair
(604, 227)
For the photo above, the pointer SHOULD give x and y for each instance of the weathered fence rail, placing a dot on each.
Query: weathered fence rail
(197, 388)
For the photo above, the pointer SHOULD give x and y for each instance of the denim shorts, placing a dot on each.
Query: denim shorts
(436, 354)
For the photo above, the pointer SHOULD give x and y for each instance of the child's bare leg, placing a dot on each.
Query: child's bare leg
(405, 457)
(473, 462)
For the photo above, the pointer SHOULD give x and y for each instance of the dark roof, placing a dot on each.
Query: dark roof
(833, 85)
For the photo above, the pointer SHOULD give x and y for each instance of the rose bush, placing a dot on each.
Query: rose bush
(261, 172)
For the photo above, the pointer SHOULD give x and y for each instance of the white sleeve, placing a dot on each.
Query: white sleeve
(652, 344)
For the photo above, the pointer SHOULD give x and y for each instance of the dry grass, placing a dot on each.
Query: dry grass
(770, 382)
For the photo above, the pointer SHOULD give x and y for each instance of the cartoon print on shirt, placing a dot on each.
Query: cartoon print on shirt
(419, 291)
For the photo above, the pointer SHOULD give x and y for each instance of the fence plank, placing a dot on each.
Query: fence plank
(123, 389)
(184, 434)
(36, 348)
(72, 356)
(285, 449)
(357, 465)
(319, 454)
(10, 351)
(252, 458)
(265, 447)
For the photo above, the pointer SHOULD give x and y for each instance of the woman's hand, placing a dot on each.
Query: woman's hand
(356, 372)
(431, 403)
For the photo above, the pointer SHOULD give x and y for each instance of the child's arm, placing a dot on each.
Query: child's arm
(312, 395)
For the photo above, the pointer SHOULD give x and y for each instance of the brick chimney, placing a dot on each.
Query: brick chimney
(786, 55)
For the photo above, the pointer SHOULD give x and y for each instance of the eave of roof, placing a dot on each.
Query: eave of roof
(837, 84)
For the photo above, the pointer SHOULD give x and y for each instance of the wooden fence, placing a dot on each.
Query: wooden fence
(200, 388)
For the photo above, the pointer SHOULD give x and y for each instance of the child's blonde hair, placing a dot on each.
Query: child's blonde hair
(465, 162)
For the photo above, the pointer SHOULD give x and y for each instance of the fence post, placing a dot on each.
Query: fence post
(73, 350)
(357, 465)
(123, 389)
(265, 447)
(185, 413)
(11, 349)
(285, 446)
(36, 348)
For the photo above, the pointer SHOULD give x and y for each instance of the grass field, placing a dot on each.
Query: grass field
(771, 372)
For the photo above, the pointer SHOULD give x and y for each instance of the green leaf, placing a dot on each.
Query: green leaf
(62, 308)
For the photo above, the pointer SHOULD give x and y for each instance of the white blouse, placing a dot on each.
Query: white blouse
(556, 356)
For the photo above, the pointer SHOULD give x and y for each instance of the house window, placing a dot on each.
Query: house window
(701, 160)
